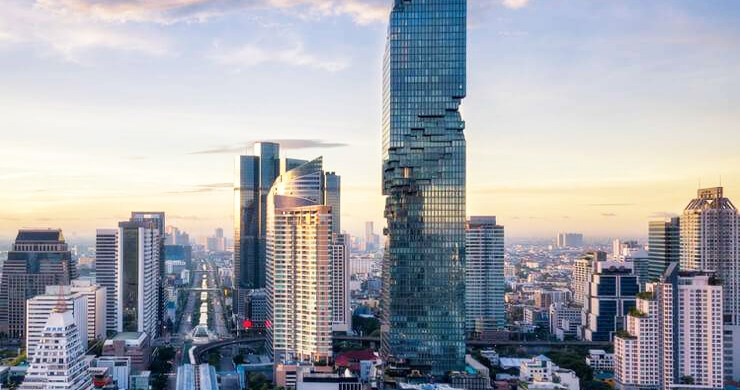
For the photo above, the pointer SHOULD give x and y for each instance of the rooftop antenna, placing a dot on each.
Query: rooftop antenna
(61, 305)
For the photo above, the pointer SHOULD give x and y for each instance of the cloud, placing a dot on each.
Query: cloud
(608, 215)
(195, 11)
(284, 143)
(201, 188)
(662, 214)
(250, 55)
(184, 217)
(72, 37)
(610, 204)
(515, 4)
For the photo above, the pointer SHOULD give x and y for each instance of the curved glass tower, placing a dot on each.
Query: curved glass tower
(423, 324)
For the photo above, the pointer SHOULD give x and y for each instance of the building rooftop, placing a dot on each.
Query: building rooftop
(51, 235)
(131, 338)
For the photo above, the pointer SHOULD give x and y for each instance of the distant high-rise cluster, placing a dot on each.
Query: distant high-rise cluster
(569, 240)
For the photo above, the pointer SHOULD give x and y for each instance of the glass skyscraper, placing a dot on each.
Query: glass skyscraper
(254, 177)
(664, 246)
(423, 323)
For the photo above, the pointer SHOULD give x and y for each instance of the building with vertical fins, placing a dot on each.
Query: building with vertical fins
(710, 241)
(156, 220)
(106, 274)
(58, 359)
(663, 246)
(673, 337)
(484, 276)
(341, 298)
(38, 258)
(423, 151)
(302, 256)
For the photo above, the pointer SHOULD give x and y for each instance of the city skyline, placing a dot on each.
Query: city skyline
(589, 134)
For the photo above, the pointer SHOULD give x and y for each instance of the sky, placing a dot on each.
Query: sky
(582, 115)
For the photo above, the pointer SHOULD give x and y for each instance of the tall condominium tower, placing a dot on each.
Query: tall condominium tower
(106, 274)
(674, 333)
(663, 246)
(710, 241)
(38, 258)
(58, 359)
(583, 268)
(300, 265)
(424, 82)
(484, 276)
(136, 277)
(156, 220)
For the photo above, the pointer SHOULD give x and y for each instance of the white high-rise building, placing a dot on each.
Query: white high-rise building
(299, 269)
(106, 271)
(484, 275)
(673, 335)
(710, 241)
(96, 307)
(137, 277)
(57, 362)
(583, 268)
(341, 304)
(40, 308)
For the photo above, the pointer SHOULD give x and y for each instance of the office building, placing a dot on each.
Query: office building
(599, 360)
(119, 369)
(57, 362)
(327, 381)
(540, 371)
(639, 259)
(673, 335)
(96, 307)
(257, 304)
(137, 277)
(611, 295)
(372, 240)
(254, 176)
(106, 274)
(710, 241)
(300, 246)
(38, 258)
(565, 320)
(484, 275)
(179, 253)
(134, 345)
(569, 240)
(583, 268)
(40, 308)
(424, 186)
(663, 246)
